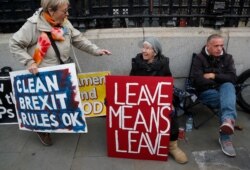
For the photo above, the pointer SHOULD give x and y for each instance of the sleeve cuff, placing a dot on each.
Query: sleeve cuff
(29, 63)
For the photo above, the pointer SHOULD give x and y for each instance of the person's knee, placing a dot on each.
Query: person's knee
(228, 86)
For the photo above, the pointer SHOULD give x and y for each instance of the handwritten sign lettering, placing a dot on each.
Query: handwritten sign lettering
(7, 107)
(93, 93)
(49, 101)
(138, 121)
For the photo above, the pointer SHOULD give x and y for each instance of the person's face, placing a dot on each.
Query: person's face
(60, 14)
(215, 47)
(148, 52)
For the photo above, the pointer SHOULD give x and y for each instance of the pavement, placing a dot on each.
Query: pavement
(22, 150)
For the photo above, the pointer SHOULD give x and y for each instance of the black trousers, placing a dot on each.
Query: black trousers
(174, 127)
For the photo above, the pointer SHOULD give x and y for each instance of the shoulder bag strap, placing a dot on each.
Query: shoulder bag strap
(54, 47)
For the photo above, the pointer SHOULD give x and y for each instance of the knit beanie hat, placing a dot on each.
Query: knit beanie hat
(154, 42)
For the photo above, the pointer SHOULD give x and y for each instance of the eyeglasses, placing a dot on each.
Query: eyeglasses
(66, 11)
(147, 49)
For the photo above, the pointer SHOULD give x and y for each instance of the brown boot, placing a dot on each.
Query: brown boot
(45, 138)
(177, 153)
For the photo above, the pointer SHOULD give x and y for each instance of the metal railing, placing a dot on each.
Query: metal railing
(89, 14)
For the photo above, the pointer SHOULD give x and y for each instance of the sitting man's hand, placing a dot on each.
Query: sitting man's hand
(209, 75)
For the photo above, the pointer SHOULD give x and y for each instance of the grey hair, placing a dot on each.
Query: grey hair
(52, 4)
(154, 42)
(213, 36)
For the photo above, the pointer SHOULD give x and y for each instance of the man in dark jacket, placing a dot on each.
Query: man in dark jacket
(214, 75)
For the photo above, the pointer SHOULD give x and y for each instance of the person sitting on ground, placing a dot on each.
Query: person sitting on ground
(151, 62)
(213, 74)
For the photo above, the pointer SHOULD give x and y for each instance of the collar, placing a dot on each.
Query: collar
(42, 24)
(210, 55)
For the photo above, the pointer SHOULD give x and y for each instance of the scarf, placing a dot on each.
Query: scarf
(43, 42)
(156, 65)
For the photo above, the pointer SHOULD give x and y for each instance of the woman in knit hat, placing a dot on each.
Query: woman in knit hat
(151, 62)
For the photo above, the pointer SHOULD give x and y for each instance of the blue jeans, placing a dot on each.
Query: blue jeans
(223, 98)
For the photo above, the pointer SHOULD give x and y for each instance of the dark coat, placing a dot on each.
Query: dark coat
(159, 67)
(223, 67)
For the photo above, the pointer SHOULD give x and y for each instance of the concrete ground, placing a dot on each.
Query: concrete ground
(22, 150)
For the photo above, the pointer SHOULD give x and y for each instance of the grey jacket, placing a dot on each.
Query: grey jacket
(23, 42)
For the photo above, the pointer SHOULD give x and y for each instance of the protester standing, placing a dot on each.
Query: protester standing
(45, 40)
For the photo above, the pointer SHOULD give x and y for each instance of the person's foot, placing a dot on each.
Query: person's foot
(227, 127)
(45, 138)
(227, 147)
(177, 153)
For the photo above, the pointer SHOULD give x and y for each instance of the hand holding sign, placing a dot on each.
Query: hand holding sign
(49, 102)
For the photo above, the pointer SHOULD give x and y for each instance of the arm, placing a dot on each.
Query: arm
(199, 78)
(19, 44)
(82, 43)
(167, 71)
(228, 72)
(134, 67)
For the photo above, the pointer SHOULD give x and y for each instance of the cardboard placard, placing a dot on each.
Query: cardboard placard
(93, 93)
(49, 101)
(138, 116)
(7, 106)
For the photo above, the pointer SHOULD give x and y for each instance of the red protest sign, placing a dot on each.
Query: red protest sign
(138, 116)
